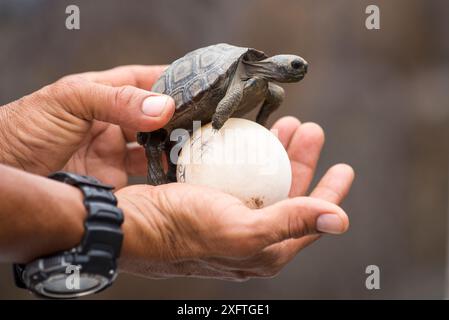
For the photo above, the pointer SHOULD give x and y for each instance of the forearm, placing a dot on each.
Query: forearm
(38, 216)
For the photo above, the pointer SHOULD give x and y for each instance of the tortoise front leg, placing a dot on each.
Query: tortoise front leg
(231, 100)
(227, 105)
(275, 96)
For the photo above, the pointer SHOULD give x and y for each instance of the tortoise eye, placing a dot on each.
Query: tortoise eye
(296, 64)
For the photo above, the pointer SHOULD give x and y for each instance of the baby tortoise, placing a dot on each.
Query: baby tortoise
(213, 84)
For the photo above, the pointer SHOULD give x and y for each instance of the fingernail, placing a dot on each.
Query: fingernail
(154, 106)
(329, 223)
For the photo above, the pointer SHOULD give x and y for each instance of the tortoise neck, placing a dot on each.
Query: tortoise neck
(265, 69)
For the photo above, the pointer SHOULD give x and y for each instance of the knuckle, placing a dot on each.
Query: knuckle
(73, 79)
(65, 91)
(66, 86)
(298, 227)
(69, 82)
(124, 95)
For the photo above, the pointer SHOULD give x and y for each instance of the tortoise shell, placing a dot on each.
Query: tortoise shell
(189, 77)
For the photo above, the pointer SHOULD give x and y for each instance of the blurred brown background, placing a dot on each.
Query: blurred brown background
(381, 97)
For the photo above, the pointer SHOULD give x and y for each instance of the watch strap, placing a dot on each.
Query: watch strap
(104, 218)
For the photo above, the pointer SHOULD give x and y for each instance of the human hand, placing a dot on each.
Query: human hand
(185, 230)
(82, 123)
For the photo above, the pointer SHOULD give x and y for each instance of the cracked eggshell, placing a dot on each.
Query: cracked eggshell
(243, 159)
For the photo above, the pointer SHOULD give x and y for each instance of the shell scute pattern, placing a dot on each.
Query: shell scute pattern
(190, 76)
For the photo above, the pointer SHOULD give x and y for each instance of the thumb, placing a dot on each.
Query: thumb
(127, 106)
(300, 216)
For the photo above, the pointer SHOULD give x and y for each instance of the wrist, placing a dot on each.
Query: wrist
(95, 256)
(141, 229)
(128, 253)
(65, 227)
(41, 217)
(70, 228)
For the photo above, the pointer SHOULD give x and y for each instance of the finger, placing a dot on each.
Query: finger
(335, 184)
(136, 161)
(285, 128)
(304, 151)
(134, 75)
(297, 217)
(333, 187)
(127, 106)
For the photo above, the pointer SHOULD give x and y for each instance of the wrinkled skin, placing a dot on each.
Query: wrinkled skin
(174, 229)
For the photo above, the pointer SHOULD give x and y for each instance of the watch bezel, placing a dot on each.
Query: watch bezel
(41, 290)
(37, 274)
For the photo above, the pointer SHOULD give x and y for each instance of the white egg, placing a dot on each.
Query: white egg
(243, 159)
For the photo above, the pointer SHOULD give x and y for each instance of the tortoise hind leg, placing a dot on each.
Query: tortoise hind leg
(171, 173)
(154, 146)
(275, 96)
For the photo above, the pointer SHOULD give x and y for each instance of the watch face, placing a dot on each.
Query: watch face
(64, 286)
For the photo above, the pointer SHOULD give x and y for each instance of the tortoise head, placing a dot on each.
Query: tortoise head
(279, 68)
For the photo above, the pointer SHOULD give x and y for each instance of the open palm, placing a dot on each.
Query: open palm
(186, 230)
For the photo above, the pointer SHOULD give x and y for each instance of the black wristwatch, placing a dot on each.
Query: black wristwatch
(89, 267)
